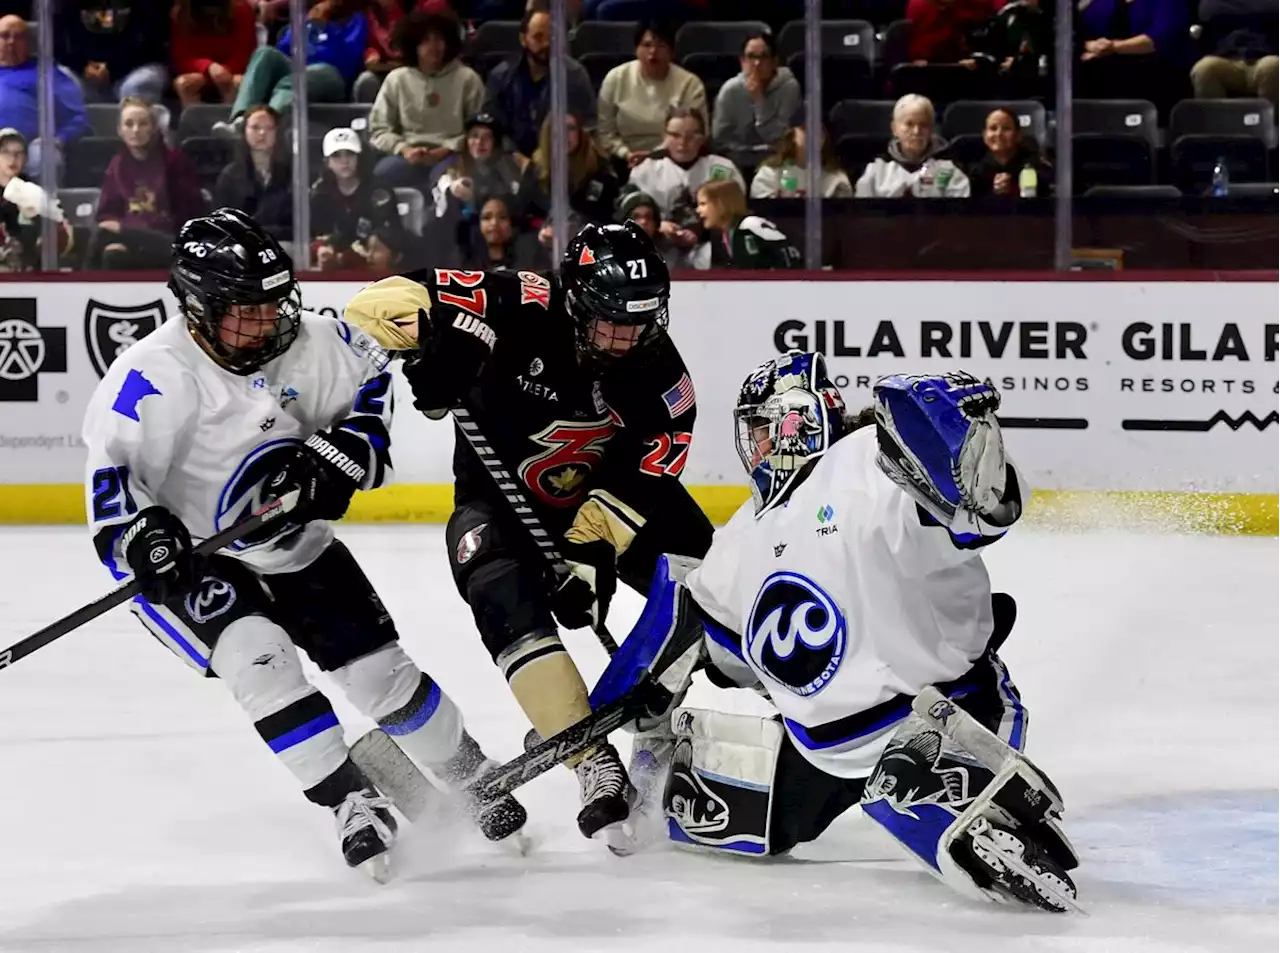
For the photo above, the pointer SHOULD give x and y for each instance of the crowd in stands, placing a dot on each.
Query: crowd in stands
(437, 145)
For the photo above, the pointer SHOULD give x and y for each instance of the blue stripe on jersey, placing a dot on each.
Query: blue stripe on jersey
(1019, 713)
(419, 717)
(300, 734)
(722, 637)
(863, 724)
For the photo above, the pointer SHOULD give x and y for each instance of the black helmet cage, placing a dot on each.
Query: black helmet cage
(603, 290)
(226, 259)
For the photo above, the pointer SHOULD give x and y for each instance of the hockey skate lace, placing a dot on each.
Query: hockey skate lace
(601, 776)
(359, 810)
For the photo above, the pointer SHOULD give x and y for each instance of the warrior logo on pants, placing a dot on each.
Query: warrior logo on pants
(210, 599)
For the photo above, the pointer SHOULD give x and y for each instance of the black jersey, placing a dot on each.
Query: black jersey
(562, 426)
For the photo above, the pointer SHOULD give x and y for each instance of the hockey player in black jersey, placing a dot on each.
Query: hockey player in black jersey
(588, 404)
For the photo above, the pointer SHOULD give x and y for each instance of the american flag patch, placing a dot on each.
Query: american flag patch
(680, 398)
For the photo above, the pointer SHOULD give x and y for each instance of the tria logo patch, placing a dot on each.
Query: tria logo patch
(588, 257)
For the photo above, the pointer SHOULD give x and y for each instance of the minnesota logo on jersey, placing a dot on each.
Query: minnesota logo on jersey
(796, 634)
(244, 494)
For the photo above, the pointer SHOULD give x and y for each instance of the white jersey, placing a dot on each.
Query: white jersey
(167, 426)
(846, 596)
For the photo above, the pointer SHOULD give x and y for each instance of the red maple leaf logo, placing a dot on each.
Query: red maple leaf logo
(587, 257)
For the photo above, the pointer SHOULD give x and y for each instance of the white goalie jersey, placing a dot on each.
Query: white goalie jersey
(847, 596)
(169, 427)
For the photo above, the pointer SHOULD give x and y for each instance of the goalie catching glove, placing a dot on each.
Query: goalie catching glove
(940, 441)
(327, 469)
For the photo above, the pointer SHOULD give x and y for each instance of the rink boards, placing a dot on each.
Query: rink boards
(1126, 401)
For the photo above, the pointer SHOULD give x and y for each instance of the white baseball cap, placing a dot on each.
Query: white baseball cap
(341, 139)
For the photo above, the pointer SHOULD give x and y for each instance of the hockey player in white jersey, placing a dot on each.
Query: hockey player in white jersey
(243, 399)
(851, 592)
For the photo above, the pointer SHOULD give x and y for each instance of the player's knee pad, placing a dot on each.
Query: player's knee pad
(941, 774)
(407, 703)
(260, 665)
(508, 599)
(719, 789)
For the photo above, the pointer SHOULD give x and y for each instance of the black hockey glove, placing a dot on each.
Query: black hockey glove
(583, 596)
(454, 350)
(157, 547)
(326, 470)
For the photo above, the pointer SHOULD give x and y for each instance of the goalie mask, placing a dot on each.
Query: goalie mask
(788, 414)
(235, 286)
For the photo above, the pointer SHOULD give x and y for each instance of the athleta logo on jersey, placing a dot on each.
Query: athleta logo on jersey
(796, 634)
(27, 350)
(110, 329)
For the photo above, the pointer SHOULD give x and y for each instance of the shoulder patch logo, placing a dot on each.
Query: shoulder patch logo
(588, 257)
(132, 391)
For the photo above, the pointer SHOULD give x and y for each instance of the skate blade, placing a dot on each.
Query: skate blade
(1058, 895)
(619, 837)
(379, 867)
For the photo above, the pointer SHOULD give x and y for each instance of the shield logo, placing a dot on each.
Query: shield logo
(109, 329)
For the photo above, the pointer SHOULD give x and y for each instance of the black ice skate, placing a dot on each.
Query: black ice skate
(1014, 866)
(497, 819)
(367, 830)
(607, 792)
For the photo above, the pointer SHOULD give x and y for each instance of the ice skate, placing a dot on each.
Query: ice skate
(498, 819)
(1015, 867)
(607, 792)
(368, 831)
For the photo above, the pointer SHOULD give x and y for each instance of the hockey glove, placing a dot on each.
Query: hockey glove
(940, 441)
(453, 353)
(583, 596)
(157, 547)
(327, 469)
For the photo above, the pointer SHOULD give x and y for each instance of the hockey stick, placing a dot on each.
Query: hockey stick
(520, 504)
(272, 511)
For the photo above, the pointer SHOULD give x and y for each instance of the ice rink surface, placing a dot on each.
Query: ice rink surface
(142, 814)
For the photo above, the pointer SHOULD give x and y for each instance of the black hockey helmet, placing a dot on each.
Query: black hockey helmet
(616, 289)
(226, 259)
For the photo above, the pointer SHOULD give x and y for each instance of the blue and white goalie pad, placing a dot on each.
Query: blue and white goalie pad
(940, 441)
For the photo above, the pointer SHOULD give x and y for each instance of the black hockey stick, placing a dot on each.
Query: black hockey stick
(272, 511)
(520, 504)
(648, 696)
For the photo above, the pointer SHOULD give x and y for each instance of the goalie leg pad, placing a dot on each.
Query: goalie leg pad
(955, 796)
(719, 791)
(665, 642)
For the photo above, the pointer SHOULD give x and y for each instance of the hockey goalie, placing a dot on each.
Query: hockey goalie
(851, 592)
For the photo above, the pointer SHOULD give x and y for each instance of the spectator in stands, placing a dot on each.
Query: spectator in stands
(739, 239)
(1241, 38)
(914, 163)
(480, 169)
(212, 43)
(336, 32)
(148, 191)
(347, 208)
(783, 174)
(1136, 49)
(420, 114)
(675, 172)
(635, 98)
(940, 29)
(496, 245)
(20, 220)
(754, 109)
(116, 48)
(641, 208)
(19, 96)
(259, 178)
(1008, 153)
(382, 54)
(593, 188)
(519, 88)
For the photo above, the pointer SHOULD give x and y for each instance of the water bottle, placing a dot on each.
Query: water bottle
(1221, 179)
(1028, 182)
(788, 182)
